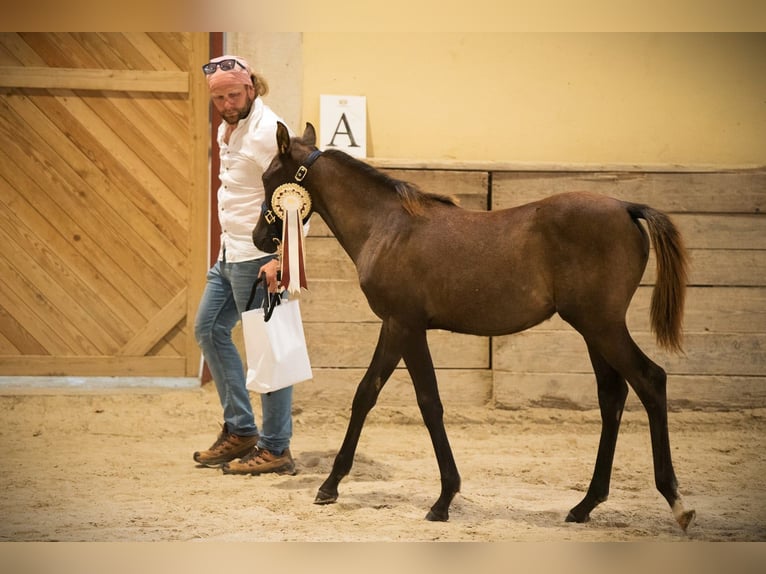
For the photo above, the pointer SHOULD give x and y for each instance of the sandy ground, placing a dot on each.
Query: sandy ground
(117, 466)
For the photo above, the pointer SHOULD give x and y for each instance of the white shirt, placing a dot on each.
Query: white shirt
(251, 147)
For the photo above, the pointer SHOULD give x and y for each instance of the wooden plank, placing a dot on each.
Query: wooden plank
(107, 51)
(58, 140)
(94, 79)
(178, 47)
(578, 391)
(42, 335)
(6, 346)
(118, 155)
(722, 230)
(36, 209)
(157, 58)
(47, 46)
(471, 188)
(63, 50)
(41, 319)
(351, 345)
(62, 142)
(156, 202)
(699, 231)
(710, 309)
(168, 139)
(15, 333)
(325, 258)
(143, 139)
(335, 300)
(734, 192)
(542, 351)
(336, 387)
(199, 142)
(726, 267)
(733, 309)
(318, 228)
(83, 366)
(41, 291)
(61, 254)
(78, 51)
(44, 268)
(173, 343)
(61, 197)
(159, 325)
(20, 50)
(495, 166)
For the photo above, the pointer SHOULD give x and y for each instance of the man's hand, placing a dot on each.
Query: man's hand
(270, 269)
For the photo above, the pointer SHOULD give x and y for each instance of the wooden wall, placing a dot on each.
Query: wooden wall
(721, 215)
(103, 202)
(103, 242)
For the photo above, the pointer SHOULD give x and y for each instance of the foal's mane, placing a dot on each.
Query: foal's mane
(412, 197)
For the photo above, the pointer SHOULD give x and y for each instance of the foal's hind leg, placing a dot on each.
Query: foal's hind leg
(648, 380)
(386, 357)
(612, 392)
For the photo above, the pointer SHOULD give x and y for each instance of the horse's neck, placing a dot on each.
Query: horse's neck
(352, 205)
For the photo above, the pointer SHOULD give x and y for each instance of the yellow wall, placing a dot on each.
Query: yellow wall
(533, 97)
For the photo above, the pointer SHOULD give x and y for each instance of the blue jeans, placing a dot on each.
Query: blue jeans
(224, 300)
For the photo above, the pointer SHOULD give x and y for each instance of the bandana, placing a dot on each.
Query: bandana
(236, 75)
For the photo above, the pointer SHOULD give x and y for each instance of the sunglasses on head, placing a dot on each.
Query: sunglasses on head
(225, 65)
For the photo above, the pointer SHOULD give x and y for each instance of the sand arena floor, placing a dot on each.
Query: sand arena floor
(116, 466)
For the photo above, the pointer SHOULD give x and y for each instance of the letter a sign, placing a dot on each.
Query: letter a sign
(343, 124)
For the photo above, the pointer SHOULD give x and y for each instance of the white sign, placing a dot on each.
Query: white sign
(343, 124)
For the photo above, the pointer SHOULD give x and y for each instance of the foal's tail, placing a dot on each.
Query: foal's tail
(667, 305)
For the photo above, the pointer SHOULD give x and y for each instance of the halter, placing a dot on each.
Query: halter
(291, 204)
(304, 168)
(269, 214)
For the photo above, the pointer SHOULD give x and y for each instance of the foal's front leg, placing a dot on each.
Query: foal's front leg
(417, 357)
(386, 357)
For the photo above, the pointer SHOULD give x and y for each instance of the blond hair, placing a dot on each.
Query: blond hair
(260, 84)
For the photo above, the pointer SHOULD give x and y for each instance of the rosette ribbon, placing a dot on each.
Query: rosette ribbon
(292, 203)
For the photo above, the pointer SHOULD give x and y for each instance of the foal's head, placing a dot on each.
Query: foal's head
(288, 166)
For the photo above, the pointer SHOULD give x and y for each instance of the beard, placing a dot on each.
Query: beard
(234, 116)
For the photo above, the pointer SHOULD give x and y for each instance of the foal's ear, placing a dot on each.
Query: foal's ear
(283, 138)
(310, 135)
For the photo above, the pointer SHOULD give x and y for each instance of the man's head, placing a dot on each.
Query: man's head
(233, 86)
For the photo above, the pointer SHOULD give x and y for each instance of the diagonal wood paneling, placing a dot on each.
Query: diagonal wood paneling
(103, 195)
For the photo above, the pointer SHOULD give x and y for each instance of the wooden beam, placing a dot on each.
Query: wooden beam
(578, 391)
(87, 366)
(198, 202)
(94, 79)
(159, 325)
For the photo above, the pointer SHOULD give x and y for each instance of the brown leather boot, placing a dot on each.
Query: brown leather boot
(227, 446)
(261, 461)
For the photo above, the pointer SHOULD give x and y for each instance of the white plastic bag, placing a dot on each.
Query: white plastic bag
(276, 351)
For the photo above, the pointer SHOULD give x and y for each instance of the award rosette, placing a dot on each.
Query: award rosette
(292, 203)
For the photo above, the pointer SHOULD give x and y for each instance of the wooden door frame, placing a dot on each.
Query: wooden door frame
(214, 226)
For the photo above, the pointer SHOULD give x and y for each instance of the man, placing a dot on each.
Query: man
(247, 143)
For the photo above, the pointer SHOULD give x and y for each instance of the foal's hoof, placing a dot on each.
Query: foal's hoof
(436, 516)
(687, 519)
(572, 518)
(325, 497)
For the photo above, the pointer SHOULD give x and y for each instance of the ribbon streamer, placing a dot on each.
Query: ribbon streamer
(292, 253)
